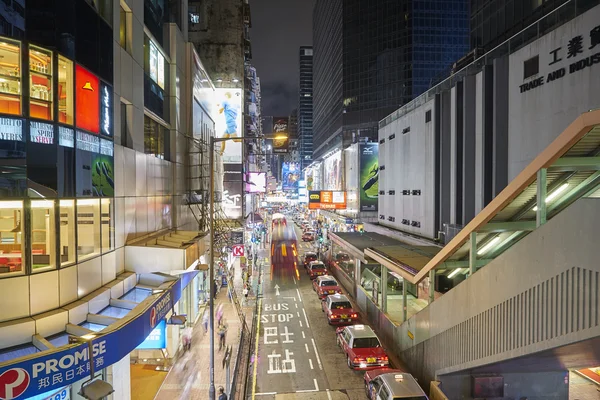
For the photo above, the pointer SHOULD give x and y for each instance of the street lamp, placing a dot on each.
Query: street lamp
(211, 269)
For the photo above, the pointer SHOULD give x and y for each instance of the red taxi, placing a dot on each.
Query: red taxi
(309, 256)
(308, 236)
(316, 268)
(362, 347)
(339, 310)
(392, 384)
(326, 285)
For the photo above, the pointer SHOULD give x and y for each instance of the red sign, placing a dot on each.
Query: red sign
(13, 383)
(238, 250)
(87, 99)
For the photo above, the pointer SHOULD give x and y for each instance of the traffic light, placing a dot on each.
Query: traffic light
(321, 239)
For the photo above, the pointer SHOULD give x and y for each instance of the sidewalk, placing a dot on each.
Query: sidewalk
(189, 375)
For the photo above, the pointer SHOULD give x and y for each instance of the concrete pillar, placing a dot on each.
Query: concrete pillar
(384, 278)
(404, 302)
(472, 253)
(540, 214)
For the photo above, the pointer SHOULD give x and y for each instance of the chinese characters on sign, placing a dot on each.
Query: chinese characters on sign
(576, 46)
(278, 363)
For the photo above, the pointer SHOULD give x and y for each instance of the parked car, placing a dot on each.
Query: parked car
(338, 310)
(326, 285)
(316, 268)
(362, 347)
(309, 256)
(308, 236)
(392, 384)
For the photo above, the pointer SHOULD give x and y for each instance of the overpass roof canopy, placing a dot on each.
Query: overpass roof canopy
(571, 164)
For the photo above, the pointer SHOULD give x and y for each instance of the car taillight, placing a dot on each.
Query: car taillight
(384, 358)
(358, 360)
(333, 316)
(353, 316)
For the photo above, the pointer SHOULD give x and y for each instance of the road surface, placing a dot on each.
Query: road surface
(296, 349)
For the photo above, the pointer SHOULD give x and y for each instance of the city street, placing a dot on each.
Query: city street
(297, 351)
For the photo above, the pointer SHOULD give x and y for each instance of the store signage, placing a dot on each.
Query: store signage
(106, 109)
(157, 339)
(40, 132)
(63, 394)
(238, 250)
(576, 55)
(11, 129)
(326, 200)
(281, 141)
(106, 147)
(87, 100)
(47, 372)
(66, 137)
(87, 142)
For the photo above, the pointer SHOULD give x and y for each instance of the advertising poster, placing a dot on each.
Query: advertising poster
(256, 182)
(333, 172)
(228, 123)
(103, 183)
(157, 339)
(281, 141)
(326, 200)
(87, 100)
(232, 190)
(369, 176)
(309, 178)
(290, 176)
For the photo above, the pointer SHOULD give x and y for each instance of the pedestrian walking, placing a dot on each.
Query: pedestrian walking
(222, 395)
(205, 320)
(215, 289)
(219, 313)
(246, 291)
(186, 338)
(222, 334)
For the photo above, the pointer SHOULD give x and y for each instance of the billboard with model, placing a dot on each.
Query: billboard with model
(369, 176)
(290, 175)
(228, 123)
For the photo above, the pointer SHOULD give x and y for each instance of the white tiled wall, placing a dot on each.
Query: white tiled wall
(44, 292)
(14, 297)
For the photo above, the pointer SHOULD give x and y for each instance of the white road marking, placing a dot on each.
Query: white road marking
(328, 394)
(299, 297)
(306, 391)
(316, 384)
(306, 346)
(294, 280)
(265, 394)
(303, 335)
(306, 318)
(317, 354)
(298, 312)
(300, 322)
(311, 364)
(296, 304)
(293, 298)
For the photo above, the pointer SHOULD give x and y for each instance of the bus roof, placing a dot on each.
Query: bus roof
(277, 216)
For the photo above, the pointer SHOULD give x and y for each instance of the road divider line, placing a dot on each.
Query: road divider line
(306, 318)
(306, 391)
(306, 346)
(299, 297)
(303, 335)
(328, 394)
(311, 364)
(300, 322)
(298, 312)
(255, 366)
(296, 304)
(317, 353)
(316, 384)
(266, 394)
(294, 280)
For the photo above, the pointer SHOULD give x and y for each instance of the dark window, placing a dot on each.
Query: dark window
(428, 116)
(531, 67)
(126, 139)
(155, 136)
(363, 343)
(123, 28)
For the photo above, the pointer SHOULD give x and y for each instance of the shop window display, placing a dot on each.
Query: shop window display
(88, 228)
(67, 232)
(43, 236)
(108, 225)
(11, 236)
(65, 91)
(40, 76)
(10, 77)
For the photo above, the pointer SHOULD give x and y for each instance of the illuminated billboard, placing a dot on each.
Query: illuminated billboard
(281, 140)
(228, 123)
(290, 175)
(87, 100)
(232, 190)
(326, 200)
(332, 169)
(256, 182)
(369, 176)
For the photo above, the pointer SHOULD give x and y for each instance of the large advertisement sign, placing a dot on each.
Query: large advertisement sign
(332, 179)
(157, 339)
(228, 123)
(256, 182)
(87, 100)
(232, 190)
(281, 140)
(56, 369)
(326, 200)
(290, 175)
(106, 109)
(369, 176)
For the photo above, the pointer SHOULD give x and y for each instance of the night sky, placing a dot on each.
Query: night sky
(279, 28)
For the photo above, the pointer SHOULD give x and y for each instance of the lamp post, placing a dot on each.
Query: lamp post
(211, 269)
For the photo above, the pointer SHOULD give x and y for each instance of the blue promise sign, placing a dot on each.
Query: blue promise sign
(157, 339)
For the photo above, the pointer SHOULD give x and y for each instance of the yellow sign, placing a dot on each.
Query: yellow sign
(410, 335)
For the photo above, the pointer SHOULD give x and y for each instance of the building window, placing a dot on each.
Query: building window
(67, 232)
(88, 228)
(10, 77)
(40, 79)
(43, 238)
(65, 91)
(11, 236)
(154, 138)
(156, 65)
(123, 28)
(126, 139)
(531, 67)
(108, 225)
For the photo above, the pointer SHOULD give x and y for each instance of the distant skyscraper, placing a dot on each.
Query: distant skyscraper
(372, 57)
(305, 105)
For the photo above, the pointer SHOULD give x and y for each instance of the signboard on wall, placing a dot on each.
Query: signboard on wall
(66, 137)
(281, 140)
(232, 190)
(290, 176)
(326, 200)
(332, 169)
(228, 123)
(40, 132)
(368, 176)
(87, 88)
(11, 129)
(106, 109)
(157, 339)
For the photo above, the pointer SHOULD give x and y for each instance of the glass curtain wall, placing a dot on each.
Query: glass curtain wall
(43, 235)
(11, 236)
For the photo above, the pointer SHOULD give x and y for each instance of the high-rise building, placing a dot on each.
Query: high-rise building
(372, 57)
(293, 124)
(305, 105)
(494, 21)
